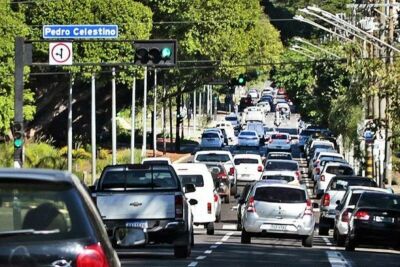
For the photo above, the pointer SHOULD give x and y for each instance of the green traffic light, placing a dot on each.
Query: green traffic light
(18, 143)
(241, 80)
(166, 53)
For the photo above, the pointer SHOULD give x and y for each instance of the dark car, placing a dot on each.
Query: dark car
(375, 221)
(221, 179)
(48, 219)
(241, 203)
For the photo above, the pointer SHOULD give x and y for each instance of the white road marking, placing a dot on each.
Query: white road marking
(218, 243)
(201, 257)
(193, 264)
(229, 227)
(336, 259)
(208, 251)
(227, 236)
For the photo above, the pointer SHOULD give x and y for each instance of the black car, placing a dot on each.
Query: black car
(375, 221)
(48, 219)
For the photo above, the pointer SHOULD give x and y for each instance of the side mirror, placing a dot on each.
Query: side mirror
(315, 205)
(193, 202)
(190, 188)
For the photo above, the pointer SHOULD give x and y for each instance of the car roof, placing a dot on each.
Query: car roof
(276, 184)
(279, 153)
(329, 154)
(278, 172)
(156, 159)
(253, 156)
(252, 131)
(358, 188)
(191, 167)
(283, 160)
(37, 175)
(335, 163)
(219, 152)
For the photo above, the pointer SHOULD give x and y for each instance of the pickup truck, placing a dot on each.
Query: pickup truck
(145, 203)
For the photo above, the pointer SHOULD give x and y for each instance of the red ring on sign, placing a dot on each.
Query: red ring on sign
(60, 44)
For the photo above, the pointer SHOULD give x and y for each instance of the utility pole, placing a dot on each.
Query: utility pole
(155, 114)
(178, 115)
(133, 112)
(114, 118)
(69, 156)
(144, 145)
(93, 127)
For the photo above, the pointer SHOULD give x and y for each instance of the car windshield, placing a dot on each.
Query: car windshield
(248, 134)
(281, 165)
(380, 201)
(279, 156)
(213, 157)
(45, 211)
(230, 118)
(280, 136)
(138, 179)
(292, 131)
(340, 170)
(307, 132)
(210, 135)
(280, 195)
(341, 184)
(245, 161)
(286, 178)
(197, 180)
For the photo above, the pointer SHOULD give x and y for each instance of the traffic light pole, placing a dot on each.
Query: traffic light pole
(155, 114)
(133, 120)
(71, 84)
(93, 126)
(144, 145)
(18, 98)
(113, 118)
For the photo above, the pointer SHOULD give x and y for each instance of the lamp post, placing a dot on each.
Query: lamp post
(301, 40)
(302, 53)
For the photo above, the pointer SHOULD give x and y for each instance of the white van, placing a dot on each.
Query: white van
(229, 130)
(198, 174)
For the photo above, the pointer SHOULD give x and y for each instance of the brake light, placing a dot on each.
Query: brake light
(178, 206)
(209, 207)
(326, 200)
(215, 198)
(222, 175)
(309, 210)
(260, 168)
(361, 215)
(322, 178)
(250, 206)
(317, 171)
(298, 174)
(232, 171)
(346, 216)
(92, 256)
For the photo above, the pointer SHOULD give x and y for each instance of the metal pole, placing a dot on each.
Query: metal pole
(71, 84)
(164, 111)
(144, 145)
(155, 114)
(194, 113)
(200, 103)
(93, 127)
(133, 111)
(113, 119)
(208, 100)
(19, 95)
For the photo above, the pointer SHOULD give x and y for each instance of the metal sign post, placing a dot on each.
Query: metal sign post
(144, 145)
(71, 84)
(93, 127)
(113, 119)
(133, 120)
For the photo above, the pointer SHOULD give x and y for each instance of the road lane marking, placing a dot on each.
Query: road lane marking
(208, 251)
(229, 227)
(213, 246)
(336, 259)
(218, 243)
(201, 257)
(227, 236)
(193, 264)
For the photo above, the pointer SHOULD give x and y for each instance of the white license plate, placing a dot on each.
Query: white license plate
(245, 175)
(274, 227)
(140, 225)
(383, 219)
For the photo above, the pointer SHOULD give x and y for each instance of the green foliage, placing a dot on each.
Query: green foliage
(43, 155)
(333, 6)
(6, 154)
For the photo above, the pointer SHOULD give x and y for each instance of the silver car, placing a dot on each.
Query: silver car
(278, 210)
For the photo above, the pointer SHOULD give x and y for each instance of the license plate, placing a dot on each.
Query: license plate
(383, 219)
(245, 175)
(140, 225)
(274, 227)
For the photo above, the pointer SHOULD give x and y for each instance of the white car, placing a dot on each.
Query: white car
(284, 168)
(265, 107)
(288, 176)
(211, 139)
(314, 162)
(268, 91)
(253, 93)
(248, 138)
(268, 131)
(204, 212)
(279, 141)
(229, 130)
(330, 170)
(249, 167)
(234, 120)
(254, 115)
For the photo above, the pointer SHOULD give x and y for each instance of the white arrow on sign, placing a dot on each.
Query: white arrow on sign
(60, 53)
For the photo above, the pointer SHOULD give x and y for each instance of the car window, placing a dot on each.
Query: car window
(307, 132)
(280, 195)
(210, 135)
(286, 178)
(213, 157)
(197, 180)
(245, 161)
(231, 118)
(280, 136)
(340, 170)
(341, 184)
(382, 201)
(138, 179)
(42, 206)
(248, 134)
(279, 156)
(354, 199)
(281, 165)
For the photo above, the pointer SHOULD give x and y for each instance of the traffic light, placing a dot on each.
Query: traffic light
(18, 133)
(239, 81)
(155, 52)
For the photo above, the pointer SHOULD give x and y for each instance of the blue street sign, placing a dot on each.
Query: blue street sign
(80, 31)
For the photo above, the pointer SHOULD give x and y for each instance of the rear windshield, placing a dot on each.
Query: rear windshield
(286, 178)
(323, 146)
(339, 170)
(248, 134)
(281, 165)
(279, 136)
(342, 184)
(382, 201)
(138, 179)
(210, 135)
(230, 118)
(41, 206)
(306, 132)
(213, 157)
(246, 161)
(280, 195)
(197, 180)
(279, 156)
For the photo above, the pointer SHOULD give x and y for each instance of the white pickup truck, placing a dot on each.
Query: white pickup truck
(145, 203)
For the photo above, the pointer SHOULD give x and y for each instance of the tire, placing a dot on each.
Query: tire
(227, 199)
(233, 190)
(182, 252)
(340, 240)
(210, 228)
(350, 244)
(245, 237)
(322, 229)
(308, 241)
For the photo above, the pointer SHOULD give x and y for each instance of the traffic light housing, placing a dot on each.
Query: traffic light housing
(155, 53)
(19, 135)
(239, 81)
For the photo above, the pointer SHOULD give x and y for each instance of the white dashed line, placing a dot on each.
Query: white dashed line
(208, 251)
(336, 259)
(193, 264)
(218, 243)
(213, 246)
(229, 227)
(201, 258)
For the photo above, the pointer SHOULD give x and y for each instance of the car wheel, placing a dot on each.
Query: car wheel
(183, 252)
(322, 229)
(308, 241)
(227, 199)
(245, 237)
(233, 190)
(340, 240)
(210, 228)
(350, 244)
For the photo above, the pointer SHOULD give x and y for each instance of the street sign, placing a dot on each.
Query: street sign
(80, 31)
(60, 53)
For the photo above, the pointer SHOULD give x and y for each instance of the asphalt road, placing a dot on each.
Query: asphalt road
(224, 247)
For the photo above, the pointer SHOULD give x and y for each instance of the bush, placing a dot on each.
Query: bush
(43, 155)
(6, 154)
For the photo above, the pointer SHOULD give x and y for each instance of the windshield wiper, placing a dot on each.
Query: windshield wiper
(29, 232)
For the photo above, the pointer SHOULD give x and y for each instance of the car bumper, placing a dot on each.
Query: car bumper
(376, 235)
(248, 142)
(342, 227)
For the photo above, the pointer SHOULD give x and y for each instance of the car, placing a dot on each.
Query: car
(211, 139)
(330, 170)
(344, 210)
(204, 212)
(375, 221)
(259, 128)
(253, 93)
(144, 204)
(269, 99)
(278, 210)
(221, 180)
(335, 192)
(268, 131)
(220, 156)
(287, 176)
(279, 155)
(227, 127)
(234, 120)
(248, 138)
(282, 167)
(265, 107)
(254, 116)
(284, 109)
(317, 154)
(156, 160)
(320, 164)
(293, 133)
(48, 219)
(267, 91)
(315, 144)
(245, 102)
(249, 167)
(279, 142)
(304, 134)
(221, 132)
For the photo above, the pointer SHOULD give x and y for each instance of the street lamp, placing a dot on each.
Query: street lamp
(315, 46)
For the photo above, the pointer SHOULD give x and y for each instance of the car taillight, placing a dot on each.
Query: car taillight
(309, 209)
(250, 206)
(178, 206)
(298, 174)
(222, 175)
(326, 200)
(209, 207)
(232, 171)
(260, 168)
(346, 216)
(322, 178)
(215, 198)
(92, 256)
(361, 215)
(317, 171)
